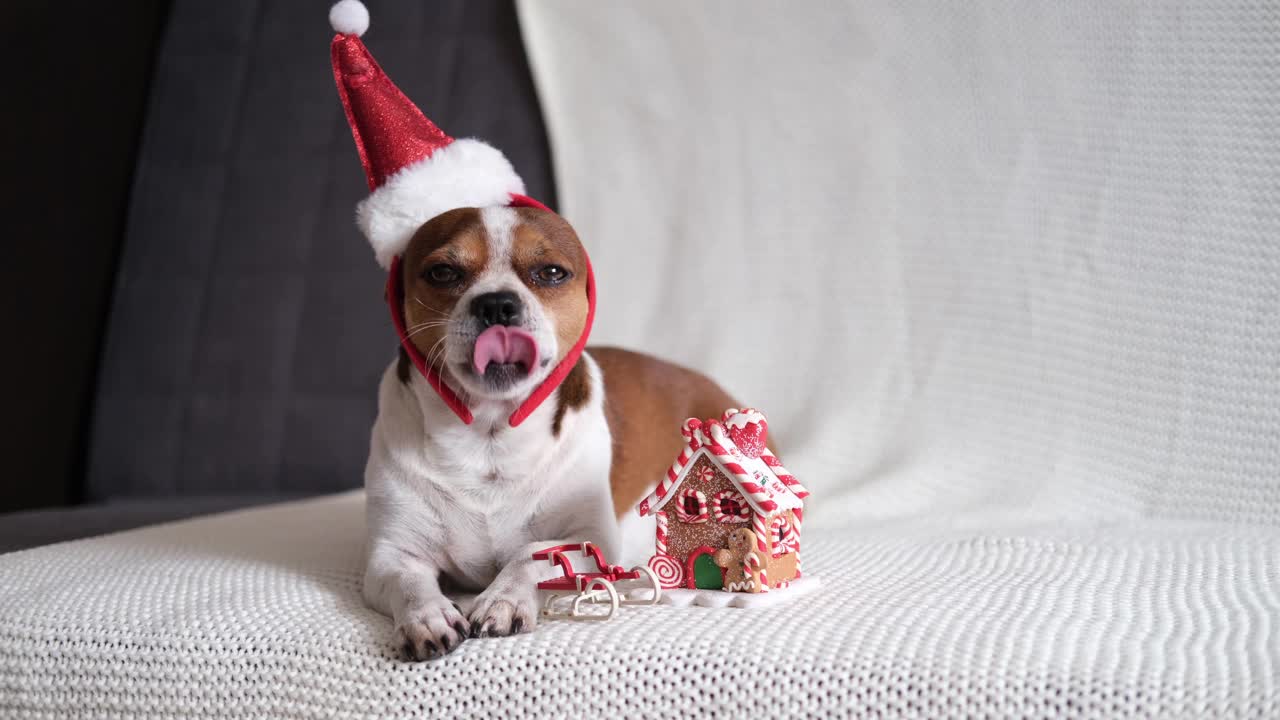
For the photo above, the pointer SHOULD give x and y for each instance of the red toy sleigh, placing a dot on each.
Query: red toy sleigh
(593, 588)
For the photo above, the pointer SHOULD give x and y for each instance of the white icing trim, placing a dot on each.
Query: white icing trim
(742, 418)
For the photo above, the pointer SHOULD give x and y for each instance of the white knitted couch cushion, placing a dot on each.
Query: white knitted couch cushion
(258, 614)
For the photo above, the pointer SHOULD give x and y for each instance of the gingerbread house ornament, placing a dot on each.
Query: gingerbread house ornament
(728, 513)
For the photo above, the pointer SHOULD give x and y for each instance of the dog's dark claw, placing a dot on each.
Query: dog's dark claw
(516, 625)
(407, 650)
(461, 627)
(432, 649)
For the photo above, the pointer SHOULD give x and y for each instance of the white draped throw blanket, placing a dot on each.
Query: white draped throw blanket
(1004, 277)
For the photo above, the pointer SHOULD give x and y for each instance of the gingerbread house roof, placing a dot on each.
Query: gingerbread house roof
(736, 445)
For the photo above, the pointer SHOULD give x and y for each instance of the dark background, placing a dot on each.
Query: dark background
(77, 89)
(192, 314)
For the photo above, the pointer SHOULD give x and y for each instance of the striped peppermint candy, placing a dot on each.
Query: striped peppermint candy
(670, 573)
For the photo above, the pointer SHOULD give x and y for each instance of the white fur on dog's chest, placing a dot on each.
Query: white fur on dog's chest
(471, 498)
(491, 494)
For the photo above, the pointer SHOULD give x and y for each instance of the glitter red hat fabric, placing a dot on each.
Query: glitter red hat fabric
(415, 172)
(391, 133)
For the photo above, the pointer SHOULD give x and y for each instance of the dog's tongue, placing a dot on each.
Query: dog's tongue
(502, 344)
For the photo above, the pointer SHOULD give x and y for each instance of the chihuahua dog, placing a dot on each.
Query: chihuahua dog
(494, 298)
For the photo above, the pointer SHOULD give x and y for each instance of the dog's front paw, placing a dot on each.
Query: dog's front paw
(431, 630)
(498, 613)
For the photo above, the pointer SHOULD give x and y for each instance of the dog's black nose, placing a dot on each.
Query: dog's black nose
(497, 308)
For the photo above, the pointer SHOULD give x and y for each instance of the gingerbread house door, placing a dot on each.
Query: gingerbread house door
(701, 571)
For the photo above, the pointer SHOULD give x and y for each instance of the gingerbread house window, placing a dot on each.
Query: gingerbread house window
(728, 506)
(691, 506)
(783, 536)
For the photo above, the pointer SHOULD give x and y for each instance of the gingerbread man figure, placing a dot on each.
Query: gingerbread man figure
(733, 560)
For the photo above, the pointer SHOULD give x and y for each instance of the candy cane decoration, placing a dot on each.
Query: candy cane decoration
(700, 515)
(690, 428)
(775, 465)
(733, 496)
(783, 535)
(752, 568)
(661, 539)
(759, 530)
(691, 435)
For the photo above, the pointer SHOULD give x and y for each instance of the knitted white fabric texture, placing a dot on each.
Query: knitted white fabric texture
(257, 614)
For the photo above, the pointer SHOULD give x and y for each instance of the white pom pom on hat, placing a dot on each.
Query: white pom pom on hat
(349, 17)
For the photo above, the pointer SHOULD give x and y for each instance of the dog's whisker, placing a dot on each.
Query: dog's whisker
(437, 311)
(429, 323)
(418, 330)
(430, 354)
(444, 348)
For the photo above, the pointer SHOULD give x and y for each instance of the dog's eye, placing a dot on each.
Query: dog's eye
(551, 275)
(442, 275)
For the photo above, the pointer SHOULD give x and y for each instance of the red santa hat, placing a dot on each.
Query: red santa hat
(416, 172)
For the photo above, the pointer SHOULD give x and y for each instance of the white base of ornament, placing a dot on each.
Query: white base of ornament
(681, 597)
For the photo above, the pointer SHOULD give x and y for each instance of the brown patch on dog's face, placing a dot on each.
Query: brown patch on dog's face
(453, 241)
(544, 243)
(455, 265)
